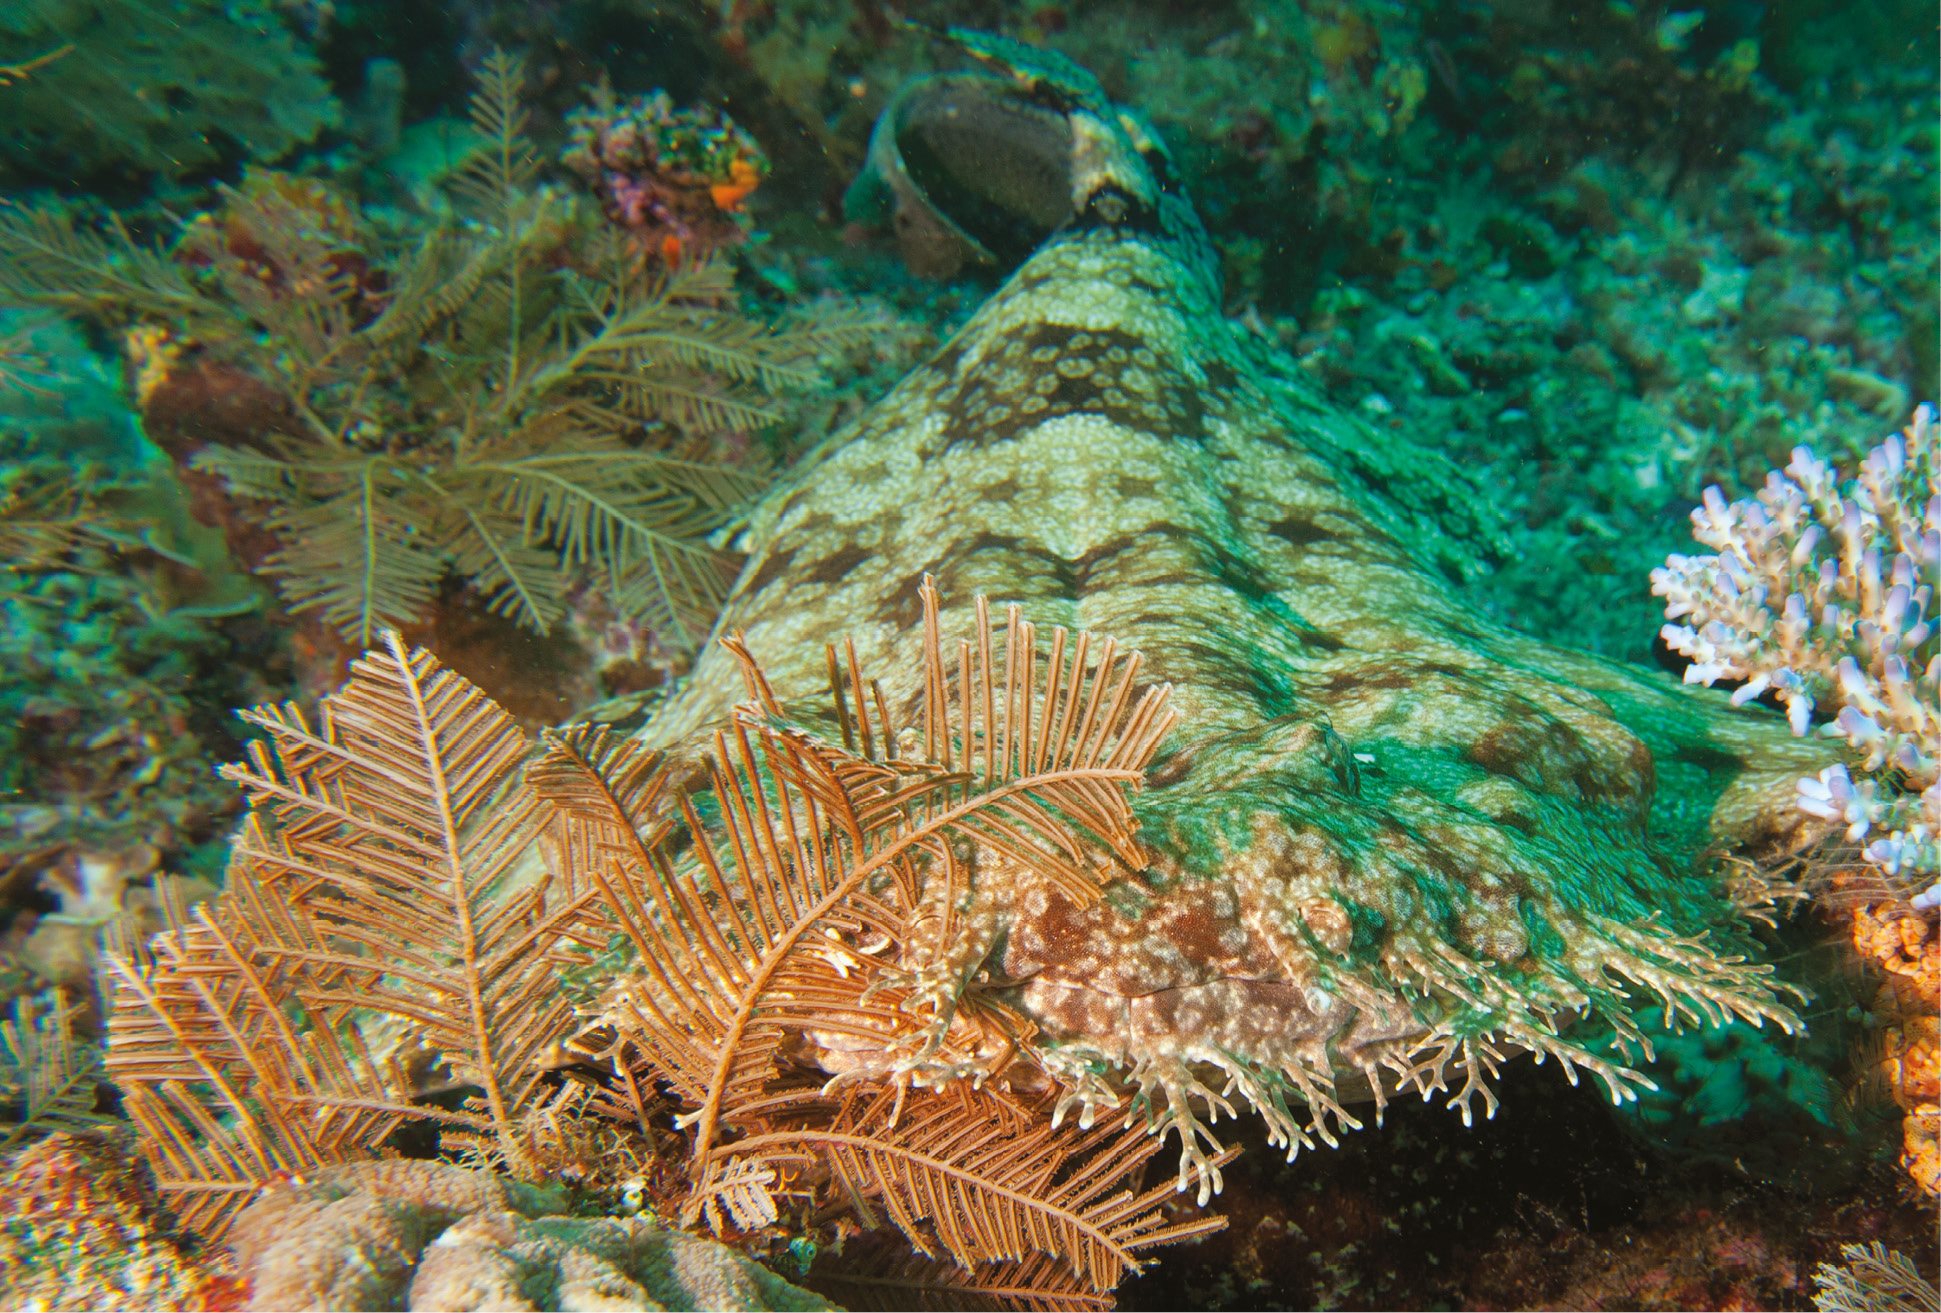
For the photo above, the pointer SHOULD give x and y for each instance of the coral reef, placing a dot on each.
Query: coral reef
(1538, 81)
(80, 1228)
(109, 666)
(1604, 349)
(59, 397)
(1596, 260)
(102, 741)
(1819, 592)
(1548, 1206)
(375, 447)
(674, 179)
(154, 86)
(1906, 944)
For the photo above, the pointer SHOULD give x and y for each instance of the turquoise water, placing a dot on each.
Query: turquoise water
(496, 325)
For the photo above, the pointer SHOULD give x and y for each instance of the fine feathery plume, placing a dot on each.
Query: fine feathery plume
(48, 1075)
(771, 941)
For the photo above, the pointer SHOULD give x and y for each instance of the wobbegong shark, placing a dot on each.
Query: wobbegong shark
(1393, 841)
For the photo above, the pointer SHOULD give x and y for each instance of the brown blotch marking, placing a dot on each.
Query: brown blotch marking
(1239, 574)
(813, 525)
(835, 566)
(1191, 921)
(1061, 934)
(1018, 569)
(950, 356)
(903, 609)
(1172, 769)
(1644, 769)
(1096, 560)
(1515, 820)
(1342, 683)
(1504, 750)
(1133, 488)
(1165, 621)
(1597, 782)
(1547, 755)
(1298, 531)
(1014, 546)
(1160, 547)
(774, 565)
(1707, 758)
(1212, 656)
(1111, 347)
(1429, 850)
(1042, 352)
(1387, 677)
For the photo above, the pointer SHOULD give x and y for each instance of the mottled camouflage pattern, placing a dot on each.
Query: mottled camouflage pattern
(1391, 836)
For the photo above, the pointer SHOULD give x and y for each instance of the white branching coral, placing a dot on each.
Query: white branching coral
(1823, 591)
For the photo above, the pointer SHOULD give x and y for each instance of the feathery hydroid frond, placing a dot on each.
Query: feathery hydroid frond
(497, 177)
(47, 259)
(776, 932)
(979, 1180)
(229, 1079)
(402, 812)
(353, 539)
(47, 1074)
(776, 908)
(378, 879)
(45, 515)
(509, 398)
(757, 937)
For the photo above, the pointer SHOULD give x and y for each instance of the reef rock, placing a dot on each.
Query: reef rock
(427, 1235)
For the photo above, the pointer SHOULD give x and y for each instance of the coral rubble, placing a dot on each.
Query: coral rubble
(80, 1228)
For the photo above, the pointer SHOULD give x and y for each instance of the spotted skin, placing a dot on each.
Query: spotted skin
(1391, 838)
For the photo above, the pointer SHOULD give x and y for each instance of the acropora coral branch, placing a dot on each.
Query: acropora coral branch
(1822, 591)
